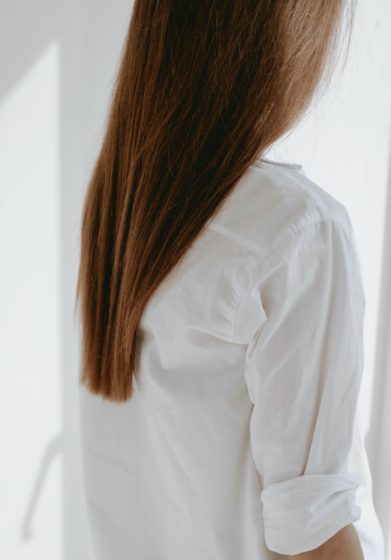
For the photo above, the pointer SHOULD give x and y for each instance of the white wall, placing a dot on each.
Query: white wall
(53, 97)
(57, 61)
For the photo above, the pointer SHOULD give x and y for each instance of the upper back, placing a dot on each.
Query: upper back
(269, 202)
(191, 320)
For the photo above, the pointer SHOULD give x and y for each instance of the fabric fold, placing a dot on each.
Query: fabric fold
(303, 512)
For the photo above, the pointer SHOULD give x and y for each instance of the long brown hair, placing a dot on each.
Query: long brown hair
(204, 87)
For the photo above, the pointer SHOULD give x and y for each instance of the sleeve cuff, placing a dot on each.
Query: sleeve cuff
(301, 513)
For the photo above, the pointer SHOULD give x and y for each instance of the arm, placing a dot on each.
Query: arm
(344, 545)
(303, 371)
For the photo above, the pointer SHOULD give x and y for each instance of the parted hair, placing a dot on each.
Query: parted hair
(203, 89)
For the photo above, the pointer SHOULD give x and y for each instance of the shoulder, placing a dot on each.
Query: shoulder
(297, 237)
(271, 202)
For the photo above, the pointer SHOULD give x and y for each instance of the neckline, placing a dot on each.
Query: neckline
(259, 161)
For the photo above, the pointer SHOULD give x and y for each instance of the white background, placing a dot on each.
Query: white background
(58, 61)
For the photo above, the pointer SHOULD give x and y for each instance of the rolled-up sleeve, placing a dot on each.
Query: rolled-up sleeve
(303, 371)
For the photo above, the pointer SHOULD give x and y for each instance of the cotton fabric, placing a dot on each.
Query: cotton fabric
(242, 438)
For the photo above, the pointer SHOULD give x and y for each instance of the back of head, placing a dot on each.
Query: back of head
(203, 89)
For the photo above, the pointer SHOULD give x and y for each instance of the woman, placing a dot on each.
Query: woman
(221, 299)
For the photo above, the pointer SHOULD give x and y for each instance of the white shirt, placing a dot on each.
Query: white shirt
(240, 439)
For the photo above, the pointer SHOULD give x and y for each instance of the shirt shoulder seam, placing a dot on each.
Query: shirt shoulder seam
(294, 230)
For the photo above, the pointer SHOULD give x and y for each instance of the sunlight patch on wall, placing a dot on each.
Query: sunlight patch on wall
(30, 313)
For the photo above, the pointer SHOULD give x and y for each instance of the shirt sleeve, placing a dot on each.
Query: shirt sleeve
(303, 370)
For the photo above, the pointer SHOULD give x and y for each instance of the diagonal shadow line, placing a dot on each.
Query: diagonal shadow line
(26, 30)
(54, 448)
